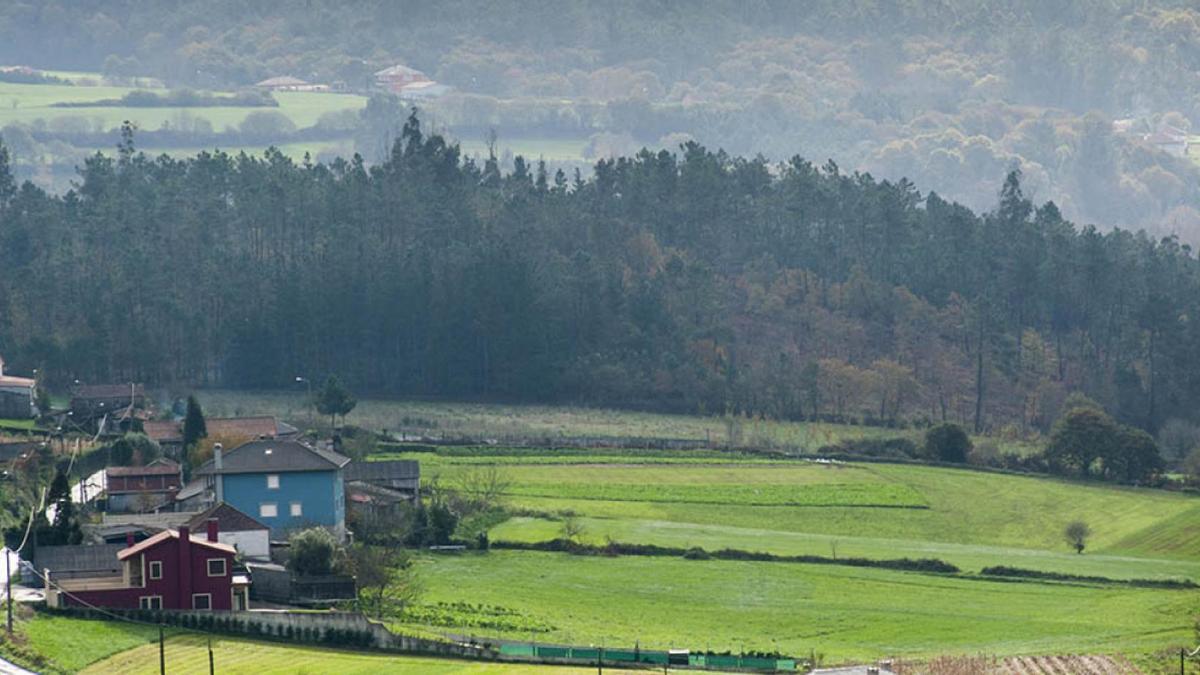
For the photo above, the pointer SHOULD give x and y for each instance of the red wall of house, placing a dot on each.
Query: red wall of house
(185, 571)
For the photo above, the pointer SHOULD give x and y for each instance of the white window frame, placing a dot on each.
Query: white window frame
(144, 602)
(202, 595)
(224, 567)
(296, 509)
(263, 507)
(272, 481)
(152, 576)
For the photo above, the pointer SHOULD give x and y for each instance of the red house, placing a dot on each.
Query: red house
(142, 488)
(167, 571)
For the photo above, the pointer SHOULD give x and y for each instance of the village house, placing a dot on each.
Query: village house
(171, 570)
(142, 488)
(396, 78)
(95, 401)
(250, 537)
(423, 91)
(169, 433)
(286, 485)
(17, 396)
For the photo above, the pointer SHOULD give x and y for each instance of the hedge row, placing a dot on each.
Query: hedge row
(1020, 573)
(696, 553)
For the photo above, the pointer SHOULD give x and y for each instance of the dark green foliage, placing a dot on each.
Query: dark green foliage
(613, 548)
(65, 528)
(1079, 438)
(133, 450)
(311, 552)
(947, 443)
(691, 281)
(194, 427)
(1017, 572)
(333, 399)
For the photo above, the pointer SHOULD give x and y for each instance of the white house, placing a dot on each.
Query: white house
(250, 537)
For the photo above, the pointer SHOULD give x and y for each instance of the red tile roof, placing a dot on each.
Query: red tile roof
(171, 534)
(163, 467)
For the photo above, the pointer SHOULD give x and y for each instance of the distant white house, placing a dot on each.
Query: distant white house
(289, 83)
(397, 77)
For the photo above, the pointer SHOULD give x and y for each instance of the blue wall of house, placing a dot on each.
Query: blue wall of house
(320, 494)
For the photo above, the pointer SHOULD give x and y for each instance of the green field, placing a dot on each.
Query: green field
(969, 518)
(29, 102)
(842, 612)
(189, 654)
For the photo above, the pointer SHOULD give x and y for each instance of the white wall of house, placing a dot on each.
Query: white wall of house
(251, 543)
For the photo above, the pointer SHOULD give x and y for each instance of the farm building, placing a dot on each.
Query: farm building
(17, 396)
(171, 570)
(396, 78)
(142, 488)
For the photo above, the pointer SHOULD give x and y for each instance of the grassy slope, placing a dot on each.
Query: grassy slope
(843, 612)
(71, 644)
(189, 654)
(986, 517)
(34, 102)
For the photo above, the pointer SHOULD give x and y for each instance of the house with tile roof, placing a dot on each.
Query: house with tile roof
(286, 485)
(170, 570)
(17, 398)
(142, 488)
(251, 538)
(169, 433)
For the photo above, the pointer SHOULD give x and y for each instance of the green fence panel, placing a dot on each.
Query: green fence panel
(517, 650)
(554, 652)
(785, 664)
(627, 655)
(585, 653)
(758, 663)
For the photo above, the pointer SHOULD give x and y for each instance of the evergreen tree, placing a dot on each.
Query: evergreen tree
(333, 399)
(194, 427)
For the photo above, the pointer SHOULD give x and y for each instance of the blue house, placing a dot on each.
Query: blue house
(286, 485)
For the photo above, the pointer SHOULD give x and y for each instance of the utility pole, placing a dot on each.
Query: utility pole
(8, 586)
(162, 654)
(211, 671)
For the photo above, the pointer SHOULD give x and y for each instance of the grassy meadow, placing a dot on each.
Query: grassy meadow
(969, 518)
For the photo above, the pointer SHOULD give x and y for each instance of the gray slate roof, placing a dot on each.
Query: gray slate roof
(398, 469)
(275, 456)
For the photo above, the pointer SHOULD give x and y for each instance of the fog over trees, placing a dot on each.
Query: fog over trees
(950, 95)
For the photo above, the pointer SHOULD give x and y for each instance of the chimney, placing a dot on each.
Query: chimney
(213, 529)
(184, 587)
(128, 539)
(217, 466)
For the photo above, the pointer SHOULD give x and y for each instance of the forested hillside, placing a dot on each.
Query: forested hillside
(947, 94)
(692, 281)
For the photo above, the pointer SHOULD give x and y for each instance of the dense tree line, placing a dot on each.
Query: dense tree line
(689, 281)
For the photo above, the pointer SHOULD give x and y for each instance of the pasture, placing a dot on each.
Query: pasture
(969, 518)
(841, 612)
(26, 103)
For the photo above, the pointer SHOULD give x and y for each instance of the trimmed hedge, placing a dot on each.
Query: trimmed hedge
(1021, 573)
(696, 553)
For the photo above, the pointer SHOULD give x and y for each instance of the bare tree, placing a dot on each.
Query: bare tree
(571, 529)
(1077, 533)
(482, 488)
(386, 578)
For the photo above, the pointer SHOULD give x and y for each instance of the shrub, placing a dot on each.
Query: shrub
(311, 552)
(947, 443)
(696, 553)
